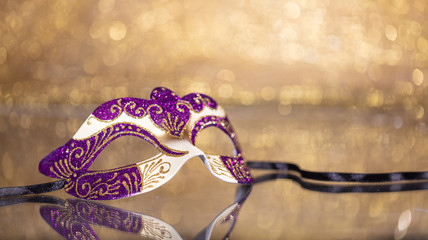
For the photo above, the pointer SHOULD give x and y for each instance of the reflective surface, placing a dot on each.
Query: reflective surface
(315, 138)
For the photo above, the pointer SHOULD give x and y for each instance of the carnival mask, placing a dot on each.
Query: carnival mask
(168, 122)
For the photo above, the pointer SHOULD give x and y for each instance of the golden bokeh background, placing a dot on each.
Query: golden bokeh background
(353, 53)
(330, 85)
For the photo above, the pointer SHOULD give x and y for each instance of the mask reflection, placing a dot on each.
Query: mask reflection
(75, 218)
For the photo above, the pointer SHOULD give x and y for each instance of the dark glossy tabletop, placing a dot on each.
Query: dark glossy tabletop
(272, 209)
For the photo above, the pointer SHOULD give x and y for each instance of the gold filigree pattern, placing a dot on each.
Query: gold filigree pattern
(152, 171)
(93, 192)
(218, 167)
(153, 229)
(186, 104)
(70, 226)
(239, 171)
(117, 106)
(132, 105)
(108, 134)
(79, 157)
(205, 101)
(75, 221)
(158, 111)
(120, 108)
(173, 125)
(103, 188)
(109, 216)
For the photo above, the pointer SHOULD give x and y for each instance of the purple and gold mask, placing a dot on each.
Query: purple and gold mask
(163, 121)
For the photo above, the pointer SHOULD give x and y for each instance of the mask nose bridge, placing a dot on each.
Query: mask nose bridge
(184, 144)
(193, 151)
(205, 159)
(201, 154)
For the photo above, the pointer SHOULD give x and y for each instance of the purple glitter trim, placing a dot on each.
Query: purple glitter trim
(66, 223)
(72, 160)
(170, 113)
(106, 185)
(107, 216)
(238, 168)
(75, 219)
(219, 122)
(76, 156)
(167, 111)
(199, 101)
(165, 108)
(112, 109)
(236, 164)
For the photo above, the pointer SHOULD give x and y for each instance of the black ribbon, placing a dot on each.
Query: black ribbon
(33, 189)
(328, 187)
(283, 172)
(340, 176)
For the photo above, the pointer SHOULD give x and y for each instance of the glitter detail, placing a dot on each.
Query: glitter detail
(218, 167)
(77, 155)
(169, 113)
(72, 160)
(199, 101)
(239, 169)
(153, 170)
(75, 219)
(106, 185)
(236, 165)
(214, 121)
(66, 223)
(133, 107)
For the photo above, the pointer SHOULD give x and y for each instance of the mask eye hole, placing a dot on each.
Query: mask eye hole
(214, 141)
(123, 151)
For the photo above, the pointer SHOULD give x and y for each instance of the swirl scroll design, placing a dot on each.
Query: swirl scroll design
(77, 155)
(199, 101)
(121, 182)
(218, 167)
(238, 168)
(122, 220)
(75, 219)
(236, 165)
(106, 185)
(72, 161)
(66, 223)
(152, 229)
(108, 216)
(163, 106)
(152, 171)
(133, 107)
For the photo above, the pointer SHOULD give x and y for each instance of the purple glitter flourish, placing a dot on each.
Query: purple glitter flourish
(106, 185)
(199, 101)
(165, 108)
(71, 225)
(107, 216)
(72, 160)
(73, 221)
(170, 113)
(76, 156)
(235, 164)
